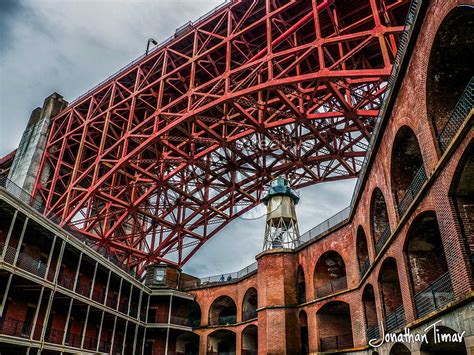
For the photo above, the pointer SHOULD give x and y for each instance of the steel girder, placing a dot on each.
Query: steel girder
(158, 159)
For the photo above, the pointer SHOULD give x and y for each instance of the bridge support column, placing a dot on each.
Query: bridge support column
(28, 156)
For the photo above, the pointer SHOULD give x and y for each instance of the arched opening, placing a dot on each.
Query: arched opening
(379, 225)
(221, 342)
(427, 265)
(362, 251)
(330, 274)
(370, 312)
(300, 286)
(187, 344)
(462, 195)
(334, 326)
(407, 172)
(187, 312)
(399, 349)
(447, 342)
(223, 311)
(389, 286)
(249, 304)
(304, 337)
(250, 340)
(450, 68)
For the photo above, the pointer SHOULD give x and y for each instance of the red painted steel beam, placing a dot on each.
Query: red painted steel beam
(160, 157)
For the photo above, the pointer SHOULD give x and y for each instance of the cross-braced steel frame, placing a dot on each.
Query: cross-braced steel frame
(159, 158)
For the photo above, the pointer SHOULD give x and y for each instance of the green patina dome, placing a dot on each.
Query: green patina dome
(280, 187)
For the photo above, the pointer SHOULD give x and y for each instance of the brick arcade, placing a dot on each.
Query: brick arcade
(400, 256)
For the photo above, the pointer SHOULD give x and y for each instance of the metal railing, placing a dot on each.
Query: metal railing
(26, 262)
(373, 333)
(249, 314)
(464, 105)
(439, 293)
(54, 336)
(332, 287)
(218, 279)
(225, 320)
(83, 289)
(364, 267)
(415, 186)
(15, 327)
(382, 240)
(38, 205)
(66, 282)
(396, 319)
(316, 232)
(338, 342)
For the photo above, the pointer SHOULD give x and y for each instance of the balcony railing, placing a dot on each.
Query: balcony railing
(316, 232)
(338, 342)
(373, 333)
(26, 262)
(98, 296)
(15, 327)
(73, 339)
(418, 180)
(230, 277)
(83, 290)
(225, 320)
(457, 117)
(439, 293)
(66, 282)
(123, 307)
(332, 287)
(54, 336)
(37, 205)
(364, 267)
(382, 240)
(250, 314)
(396, 319)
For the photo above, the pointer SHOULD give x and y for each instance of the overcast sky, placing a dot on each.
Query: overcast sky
(68, 46)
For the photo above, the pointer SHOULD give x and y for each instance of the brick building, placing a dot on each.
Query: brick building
(400, 256)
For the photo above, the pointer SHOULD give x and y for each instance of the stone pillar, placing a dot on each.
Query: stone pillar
(33, 143)
(278, 330)
(469, 341)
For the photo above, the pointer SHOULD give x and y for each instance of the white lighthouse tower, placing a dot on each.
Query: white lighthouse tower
(281, 230)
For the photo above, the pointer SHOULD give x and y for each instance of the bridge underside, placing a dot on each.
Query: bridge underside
(158, 159)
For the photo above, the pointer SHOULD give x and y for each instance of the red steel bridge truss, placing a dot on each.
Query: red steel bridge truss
(159, 158)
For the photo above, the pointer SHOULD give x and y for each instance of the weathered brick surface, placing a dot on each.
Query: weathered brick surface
(276, 281)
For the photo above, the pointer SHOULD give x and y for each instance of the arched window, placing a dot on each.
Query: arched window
(330, 274)
(221, 342)
(249, 304)
(379, 226)
(462, 195)
(389, 285)
(407, 172)
(362, 251)
(448, 346)
(186, 312)
(334, 326)
(370, 312)
(399, 349)
(223, 311)
(187, 343)
(450, 66)
(427, 264)
(303, 323)
(250, 340)
(300, 286)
